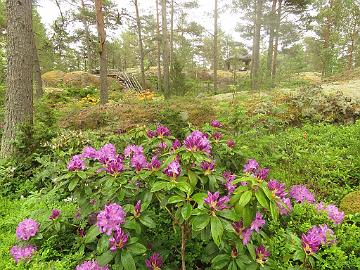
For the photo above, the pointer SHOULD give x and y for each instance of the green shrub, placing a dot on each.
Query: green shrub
(350, 204)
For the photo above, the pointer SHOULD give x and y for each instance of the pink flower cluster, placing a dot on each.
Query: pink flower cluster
(91, 265)
(315, 237)
(160, 132)
(333, 212)
(155, 262)
(197, 141)
(253, 168)
(301, 194)
(110, 219)
(22, 253)
(173, 169)
(283, 203)
(216, 202)
(27, 229)
(246, 233)
(262, 255)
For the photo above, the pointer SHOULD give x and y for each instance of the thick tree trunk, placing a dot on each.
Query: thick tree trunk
(276, 45)
(165, 43)
(215, 64)
(255, 67)
(141, 48)
(19, 91)
(271, 38)
(351, 47)
(158, 46)
(90, 62)
(102, 51)
(327, 54)
(37, 72)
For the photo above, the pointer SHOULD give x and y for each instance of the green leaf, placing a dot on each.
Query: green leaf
(299, 255)
(262, 199)
(92, 234)
(146, 200)
(245, 198)
(105, 258)
(232, 266)
(220, 261)
(136, 249)
(158, 186)
(229, 214)
(127, 260)
(199, 198)
(217, 230)
(200, 222)
(175, 199)
(73, 183)
(103, 244)
(251, 249)
(185, 187)
(147, 221)
(192, 178)
(81, 174)
(274, 211)
(186, 211)
(212, 182)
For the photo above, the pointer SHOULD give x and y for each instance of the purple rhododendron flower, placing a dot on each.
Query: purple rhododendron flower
(217, 136)
(301, 194)
(137, 209)
(89, 152)
(215, 124)
(115, 166)
(106, 153)
(242, 232)
(284, 206)
(251, 166)
(216, 202)
(162, 146)
(315, 237)
(111, 218)
(155, 262)
(197, 141)
(162, 131)
(22, 253)
(91, 265)
(139, 162)
(76, 163)
(26, 229)
(262, 255)
(150, 134)
(230, 143)
(119, 240)
(262, 173)
(155, 164)
(277, 188)
(229, 178)
(176, 144)
(133, 150)
(55, 213)
(173, 169)
(207, 166)
(333, 212)
(257, 223)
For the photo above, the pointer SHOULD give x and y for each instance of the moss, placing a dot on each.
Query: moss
(350, 204)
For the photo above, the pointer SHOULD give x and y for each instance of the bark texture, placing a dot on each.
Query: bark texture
(158, 46)
(141, 47)
(215, 64)
(90, 61)
(165, 45)
(255, 67)
(19, 91)
(102, 51)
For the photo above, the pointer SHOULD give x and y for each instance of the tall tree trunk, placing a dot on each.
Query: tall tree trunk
(37, 71)
(141, 48)
(102, 51)
(90, 62)
(171, 33)
(255, 67)
(19, 90)
(327, 54)
(351, 47)
(215, 64)
(158, 46)
(165, 43)
(271, 38)
(276, 45)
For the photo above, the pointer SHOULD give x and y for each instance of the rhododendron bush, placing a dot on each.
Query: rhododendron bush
(121, 191)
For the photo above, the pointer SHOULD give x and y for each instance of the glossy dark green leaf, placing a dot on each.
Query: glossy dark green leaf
(127, 260)
(158, 186)
(105, 258)
(176, 199)
(245, 198)
(186, 211)
(220, 261)
(217, 230)
(262, 199)
(92, 234)
(147, 221)
(200, 222)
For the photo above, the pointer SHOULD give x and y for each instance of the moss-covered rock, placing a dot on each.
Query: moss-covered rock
(53, 78)
(350, 204)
